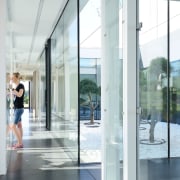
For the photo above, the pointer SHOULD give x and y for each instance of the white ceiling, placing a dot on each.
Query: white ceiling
(30, 23)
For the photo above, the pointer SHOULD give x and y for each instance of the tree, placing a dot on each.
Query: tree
(157, 90)
(157, 71)
(89, 89)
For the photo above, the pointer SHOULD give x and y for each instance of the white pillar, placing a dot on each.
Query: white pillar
(110, 91)
(35, 93)
(129, 90)
(2, 88)
(67, 89)
(57, 90)
(37, 111)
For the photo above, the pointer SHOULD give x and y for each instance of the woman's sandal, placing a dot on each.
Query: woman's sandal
(17, 146)
(14, 145)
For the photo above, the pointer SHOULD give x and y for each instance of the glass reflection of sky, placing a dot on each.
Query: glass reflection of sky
(87, 62)
(90, 22)
(153, 35)
(153, 15)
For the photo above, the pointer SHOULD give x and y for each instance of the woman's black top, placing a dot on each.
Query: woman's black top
(19, 101)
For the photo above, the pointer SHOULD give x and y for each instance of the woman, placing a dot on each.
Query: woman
(18, 93)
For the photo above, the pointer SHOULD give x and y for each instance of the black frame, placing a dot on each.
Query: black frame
(48, 75)
(48, 83)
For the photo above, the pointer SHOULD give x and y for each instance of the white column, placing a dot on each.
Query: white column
(57, 94)
(110, 91)
(35, 93)
(67, 89)
(129, 90)
(37, 111)
(2, 88)
(62, 92)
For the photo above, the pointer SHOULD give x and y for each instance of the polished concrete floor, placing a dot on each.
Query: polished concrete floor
(160, 169)
(45, 158)
(34, 163)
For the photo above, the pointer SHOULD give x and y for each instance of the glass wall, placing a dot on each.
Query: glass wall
(57, 74)
(112, 90)
(90, 69)
(90, 81)
(94, 128)
(64, 81)
(153, 83)
(174, 78)
(42, 87)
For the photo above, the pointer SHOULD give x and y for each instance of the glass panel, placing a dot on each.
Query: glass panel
(26, 95)
(71, 77)
(90, 81)
(9, 96)
(57, 74)
(90, 69)
(111, 83)
(42, 87)
(174, 78)
(9, 112)
(153, 91)
(64, 81)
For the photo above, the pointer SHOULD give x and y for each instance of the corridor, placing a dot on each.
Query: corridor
(43, 158)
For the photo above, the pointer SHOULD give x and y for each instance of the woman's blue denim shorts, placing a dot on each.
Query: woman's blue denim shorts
(17, 115)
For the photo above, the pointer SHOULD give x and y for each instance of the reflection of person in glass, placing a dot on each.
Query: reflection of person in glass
(7, 101)
(18, 93)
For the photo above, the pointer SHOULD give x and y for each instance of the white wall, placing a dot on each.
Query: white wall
(2, 88)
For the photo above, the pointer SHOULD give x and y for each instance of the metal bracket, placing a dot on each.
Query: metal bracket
(139, 26)
(139, 110)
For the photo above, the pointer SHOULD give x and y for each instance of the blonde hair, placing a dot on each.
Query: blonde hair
(17, 75)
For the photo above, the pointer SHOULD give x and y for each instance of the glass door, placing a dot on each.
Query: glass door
(64, 82)
(174, 33)
(90, 81)
(153, 86)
